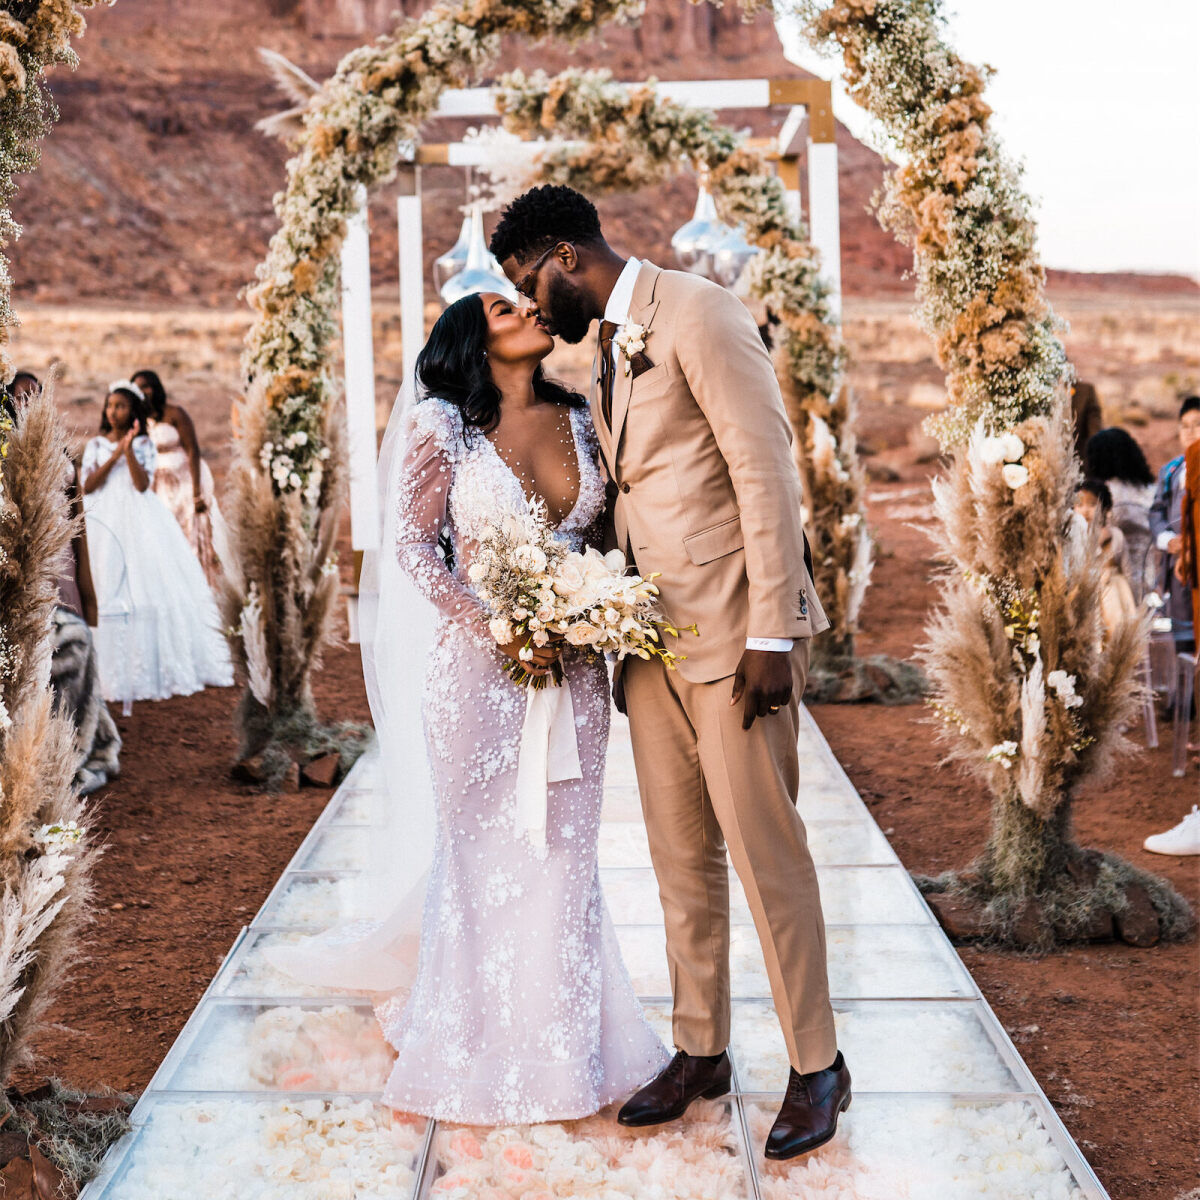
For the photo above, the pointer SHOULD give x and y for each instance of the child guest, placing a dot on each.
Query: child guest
(143, 568)
(1093, 502)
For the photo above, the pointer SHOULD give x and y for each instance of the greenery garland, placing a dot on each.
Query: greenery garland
(644, 140)
(1032, 699)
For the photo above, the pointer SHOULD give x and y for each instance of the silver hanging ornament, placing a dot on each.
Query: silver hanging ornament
(455, 259)
(482, 273)
(730, 256)
(694, 241)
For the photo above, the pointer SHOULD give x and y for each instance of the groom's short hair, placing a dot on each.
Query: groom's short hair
(542, 217)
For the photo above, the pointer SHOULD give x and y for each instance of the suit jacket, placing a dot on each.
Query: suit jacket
(704, 485)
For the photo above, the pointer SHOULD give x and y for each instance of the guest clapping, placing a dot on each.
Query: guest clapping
(162, 633)
(183, 478)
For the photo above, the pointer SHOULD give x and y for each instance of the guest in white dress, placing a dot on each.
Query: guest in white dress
(159, 633)
(182, 477)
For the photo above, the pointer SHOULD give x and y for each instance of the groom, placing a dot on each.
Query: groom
(697, 447)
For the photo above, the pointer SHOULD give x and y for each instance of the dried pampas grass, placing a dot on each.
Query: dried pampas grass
(1031, 698)
(45, 853)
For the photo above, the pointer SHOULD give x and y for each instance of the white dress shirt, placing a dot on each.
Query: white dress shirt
(617, 311)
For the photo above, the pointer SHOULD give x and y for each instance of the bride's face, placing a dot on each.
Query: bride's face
(514, 334)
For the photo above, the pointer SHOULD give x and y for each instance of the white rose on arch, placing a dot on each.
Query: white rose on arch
(1015, 475)
(1004, 447)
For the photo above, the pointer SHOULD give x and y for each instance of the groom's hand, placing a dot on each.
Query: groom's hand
(764, 677)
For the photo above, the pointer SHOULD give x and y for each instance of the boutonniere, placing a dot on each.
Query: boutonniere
(630, 340)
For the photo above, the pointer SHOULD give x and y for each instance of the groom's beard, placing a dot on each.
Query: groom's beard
(565, 311)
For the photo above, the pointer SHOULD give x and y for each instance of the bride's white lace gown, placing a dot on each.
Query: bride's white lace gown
(522, 1009)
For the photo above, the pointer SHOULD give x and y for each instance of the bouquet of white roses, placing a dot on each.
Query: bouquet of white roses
(609, 609)
(538, 589)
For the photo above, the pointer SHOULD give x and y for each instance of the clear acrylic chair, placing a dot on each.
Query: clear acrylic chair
(1185, 690)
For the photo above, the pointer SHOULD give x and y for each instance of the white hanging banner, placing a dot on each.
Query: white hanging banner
(359, 352)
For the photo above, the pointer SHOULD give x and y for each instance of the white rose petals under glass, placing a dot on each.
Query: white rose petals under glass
(539, 589)
(273, 1095)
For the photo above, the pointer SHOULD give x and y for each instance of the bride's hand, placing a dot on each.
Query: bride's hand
(543, 656)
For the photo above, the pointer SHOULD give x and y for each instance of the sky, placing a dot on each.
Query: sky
(1101, 99)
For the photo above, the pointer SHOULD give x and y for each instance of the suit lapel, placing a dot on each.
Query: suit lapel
(641, 312)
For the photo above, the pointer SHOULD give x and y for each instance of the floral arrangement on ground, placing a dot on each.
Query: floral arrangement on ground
(1033, 700)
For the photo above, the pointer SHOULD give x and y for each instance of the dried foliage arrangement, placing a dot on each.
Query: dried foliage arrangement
(620, 138)
(45, 854)
(1029, 697)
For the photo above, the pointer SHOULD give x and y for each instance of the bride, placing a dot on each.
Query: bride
(521, 1009)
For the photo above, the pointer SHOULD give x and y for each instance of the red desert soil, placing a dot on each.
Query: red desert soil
(1108, 1030)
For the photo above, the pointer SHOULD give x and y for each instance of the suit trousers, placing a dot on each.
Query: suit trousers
(707, 784)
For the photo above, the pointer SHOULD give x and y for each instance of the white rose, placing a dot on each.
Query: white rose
(501, 630)
(1015, 475)
(583, 634)
(540, 637)
(477, 572)
(611, 616)
(529, 558)
(570, 576)
(991, 450)
(1012, 446)
(614, 560)
(545, 614)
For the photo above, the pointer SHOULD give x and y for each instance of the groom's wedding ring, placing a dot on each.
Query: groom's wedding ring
(776, 707)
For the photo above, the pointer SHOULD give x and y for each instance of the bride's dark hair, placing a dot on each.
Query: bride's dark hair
(453, 366)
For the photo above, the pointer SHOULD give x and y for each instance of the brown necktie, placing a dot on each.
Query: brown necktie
(608, 330)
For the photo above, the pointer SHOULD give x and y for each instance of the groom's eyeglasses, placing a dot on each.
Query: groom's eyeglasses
(526, 284)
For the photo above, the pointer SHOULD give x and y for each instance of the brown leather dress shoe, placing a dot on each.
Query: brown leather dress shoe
(810, 1111)
(684, 1079)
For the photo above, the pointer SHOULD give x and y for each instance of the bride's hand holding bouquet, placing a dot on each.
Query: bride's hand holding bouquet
(541, 594)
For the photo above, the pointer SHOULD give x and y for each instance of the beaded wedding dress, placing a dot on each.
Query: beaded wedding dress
(521, 1009)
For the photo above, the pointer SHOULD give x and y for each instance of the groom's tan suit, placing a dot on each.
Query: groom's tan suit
(698, 452)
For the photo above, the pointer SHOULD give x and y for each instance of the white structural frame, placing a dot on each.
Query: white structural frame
(811, 114)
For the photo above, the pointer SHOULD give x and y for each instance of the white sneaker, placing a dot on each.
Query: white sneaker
(1183, 839)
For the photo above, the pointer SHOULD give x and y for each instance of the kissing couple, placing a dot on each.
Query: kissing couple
(492, 959)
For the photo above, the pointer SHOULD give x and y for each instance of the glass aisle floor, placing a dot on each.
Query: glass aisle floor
(271, 1091)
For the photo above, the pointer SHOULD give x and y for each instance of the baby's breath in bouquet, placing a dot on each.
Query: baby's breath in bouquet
(610, 609)
(538, 589)
(513, 574)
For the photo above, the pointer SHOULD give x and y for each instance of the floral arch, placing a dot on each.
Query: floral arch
(289, 473)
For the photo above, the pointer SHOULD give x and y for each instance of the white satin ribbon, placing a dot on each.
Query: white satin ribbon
(549, 754)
